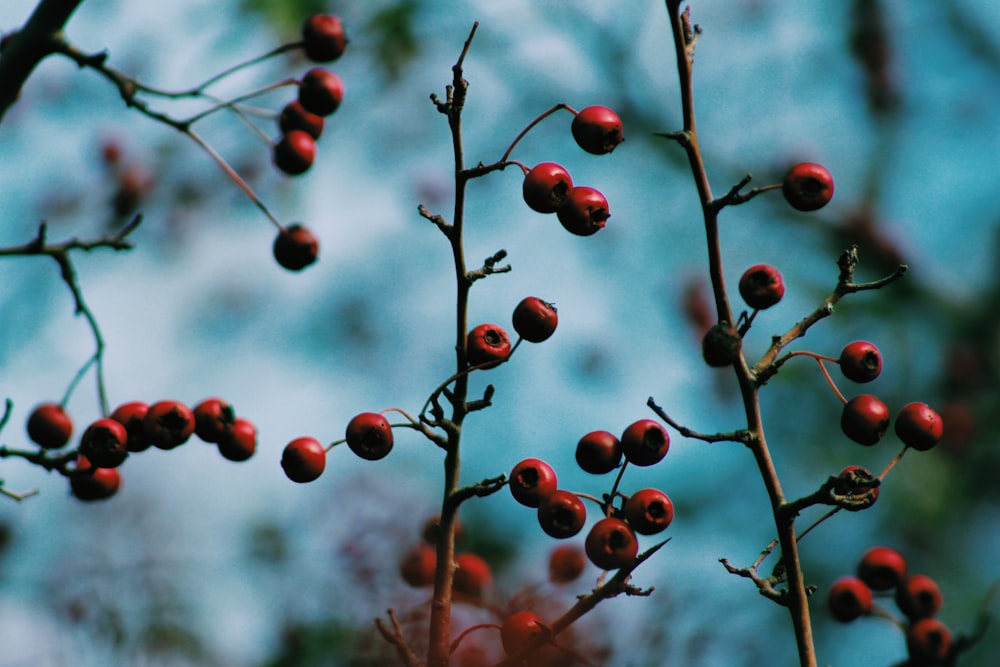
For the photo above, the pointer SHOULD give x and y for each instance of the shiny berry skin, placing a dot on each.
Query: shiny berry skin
(534, 320)
(849, 598)
(566, 563)
(597, 129)
(49, 426)
(103, 443)
(865, 419)
(303, 460)
(860, 361)
(598, 452)
(882, 568)
(532, 481)
(807, 186)
(721, 345)
(919, 426)
(295, 247)
(294, 117)
(488, 345)
(648, 511)
(919, 597)
(369, 436)
(321, 91)
(213, 418)
(562, 514)
(240, 441)
(418, 566)
(928, 642)
(859, 484)
(584, 212)
(546, 187)
(168, 424)
(761, 286)
(645, 442)
(131, 416)
(473, 575)
(295, 152)
(518, 629)
(611, 544)
(323, 38)
(89, 483)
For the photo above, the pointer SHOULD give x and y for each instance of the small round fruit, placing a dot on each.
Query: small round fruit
(919, 426)
(648, 511)
(928, 642)
(321, 91)
(532, 481)
(721, 345)
(473, 575)
(611, 544)
(103, 443)
(240, 441)
(882, 568)
(488, 345)
(131, 416)
(597, 129)
(88, 483)
(645, 442)
(865, 419)
(49, 426)
(295, 152)
(418, 566)
(518, 629)
(598, 452)
(584, 212)
(535, 320)
(807, 186)
(323, 38)
(860, 361)
(761, 286)
(562, 514)
(295, 247)
(295, 117)
(546, 187)
(859, 484)
(369, 436)
(919, 597)
(566, 563)
(168, 424)
(303, 460)
(213, 418)
(849, 598)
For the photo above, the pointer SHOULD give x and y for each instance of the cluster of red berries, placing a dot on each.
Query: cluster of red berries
(548, 187)
(918, 597)
(368, 434)
(473, 576)
(488, 345)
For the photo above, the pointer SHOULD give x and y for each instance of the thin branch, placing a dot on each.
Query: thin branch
(395, 637)
(744, 436)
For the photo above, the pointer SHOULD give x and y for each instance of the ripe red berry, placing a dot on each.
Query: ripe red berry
(213, 418)
(321, 91)
(295, 247)
(295, 117)
(369, 436)
(103, 443)
(546, 187)
(418, 565)
(597, 129)
(859, 484)
(882, 568)
(761, 286)
(562, 514)
(808, 186)
(518, 629)
(849, 598)
(860, 361)
(865, 419)
(295, 152)
(584, 212)
(919, 597)
(49, 426)
(928, 641)
(566, 563)
(488, 346)
(598, 452)
(168, 424)
(303, 460)
(721, 345)
(473, 575)
(532, 481)
(534, 320)
(645, 442)
(323, 38)
(240, 441)
(89, 483)
(648, 511)
(918, 426)
(131, 416)
(611, 544)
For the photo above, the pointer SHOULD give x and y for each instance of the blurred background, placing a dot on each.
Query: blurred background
(201, 561)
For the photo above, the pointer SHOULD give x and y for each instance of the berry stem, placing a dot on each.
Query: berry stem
(529, 126)
(893, 462)
(829, 380)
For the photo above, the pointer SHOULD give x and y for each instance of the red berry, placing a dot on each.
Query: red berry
(648, 511)
(89, 483)
(295, 117)
(131, 416)
(295, 152)
(168, 424)
(849, 598)
(49, 426)
(860, 361)
(928, 642)
(213, 418)
(859, 484)
(597, 130)
(645, 442)
(611, 544)
(473, 575)
(532, 481)
(584, 212)
(321, 91)
(103, 443)
(303, 460)
(598, 452)
(518, 629)
(761, 286)
(295, 247)
(534, 320)
(546, 187)
(882, 568)
(323, 38)
(240, 441)
(488, 346)
(418, 566)
(808, 186)
(369, 436)
(919, 597)
(918, 426)
(562, 514)
(721, 345)
(865, 419)
(566, 563)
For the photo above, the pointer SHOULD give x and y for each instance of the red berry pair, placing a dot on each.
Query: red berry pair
(548, 188)
(865, 419)
(216, 422)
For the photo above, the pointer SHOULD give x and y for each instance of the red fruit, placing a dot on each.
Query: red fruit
(321, 91)
(49, 426)
(295, 117)
(546, 187)
(518, 629)
(295, 247)
(860, 361)
(882, 568)
(648, 511)
(488, 346)
(645, 442)
(721, 345)
(566, 563)
(858, 483)
(928, 641)
(418, 566)
(808, 186)
(369, 436)
(131, 416)
(103, 443)
(598, 452)
(473, 575)
(761, 286)
(865, 419)
(597, 130)
(240, 441)
(303, 460)
(584, 212)
(919, 597)
(323, 38)
(295, 152)
(213, 418)
(534, 320)
(88, 483)
(918, 426)
(532, 481)
(849, 598)
(168, 424)
(611, 544)
(562, 514)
